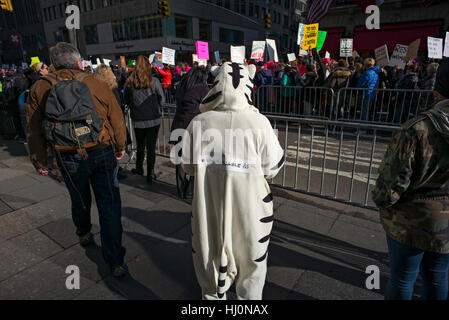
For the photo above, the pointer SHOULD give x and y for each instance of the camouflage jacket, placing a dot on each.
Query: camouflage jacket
(412, 191)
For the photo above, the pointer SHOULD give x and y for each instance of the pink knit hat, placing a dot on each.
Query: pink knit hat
(188, 68)
(177, 70)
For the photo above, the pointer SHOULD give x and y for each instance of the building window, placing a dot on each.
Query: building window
(231, 36)
(182, 27)
(204, 27)
(143, 27)
(91, 34)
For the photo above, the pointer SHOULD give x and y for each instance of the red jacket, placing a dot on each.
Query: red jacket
(166, 77)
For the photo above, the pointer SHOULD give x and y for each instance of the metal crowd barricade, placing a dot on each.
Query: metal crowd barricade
(386, 106)
(339, 165)
(311, 102)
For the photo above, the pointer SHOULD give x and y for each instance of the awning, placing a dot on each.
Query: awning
(401, 33)
(333, 37)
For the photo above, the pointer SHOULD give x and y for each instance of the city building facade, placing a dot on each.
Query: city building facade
(113, 28)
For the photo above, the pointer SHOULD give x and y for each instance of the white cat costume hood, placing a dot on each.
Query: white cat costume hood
(232, 209)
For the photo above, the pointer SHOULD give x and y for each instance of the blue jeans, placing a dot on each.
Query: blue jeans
(99, 171)
(406, 263)
(367, 106)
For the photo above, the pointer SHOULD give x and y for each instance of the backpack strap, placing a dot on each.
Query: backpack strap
(52, 78)
(81, 76)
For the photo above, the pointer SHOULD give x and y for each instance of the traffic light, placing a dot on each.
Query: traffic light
(164, 8)
(268, 21)
(6, 5)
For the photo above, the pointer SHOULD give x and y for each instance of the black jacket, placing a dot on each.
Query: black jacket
(188, 105)
(145, 103)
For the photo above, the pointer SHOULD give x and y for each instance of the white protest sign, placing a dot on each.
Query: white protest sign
(272, 51)
(217, 56)
(435, 47)
(291, 57)
(446, 46)
(381, 54)
(258, 50)
(107, 62)
(300, 34)
(303, 53)
(168, 56)
(397, 58)
(346, 47)
(327, 55)
(98, 61)
(238, 54)
(202, 62)
(151, 59)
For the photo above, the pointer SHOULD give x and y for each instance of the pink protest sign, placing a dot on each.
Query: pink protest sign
(202, 50)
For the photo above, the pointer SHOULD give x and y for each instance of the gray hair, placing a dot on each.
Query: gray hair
(432, 68)
(64, 56)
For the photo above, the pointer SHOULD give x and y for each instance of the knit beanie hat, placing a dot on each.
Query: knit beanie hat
(37, 66)
(442, 79)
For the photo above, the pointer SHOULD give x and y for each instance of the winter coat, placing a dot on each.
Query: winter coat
(142, 105)
(412, 191)
(263, 77)
(166, 77)
(289, 80)
(188, 105)
(369, 80)
(105, 104)
(408, 81)
(338, 78)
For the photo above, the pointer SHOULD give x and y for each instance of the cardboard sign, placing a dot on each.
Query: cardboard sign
(258, 50)
(217, 56)
(310, 36)
(446, 46)
(435, 47)
(412, 51)
(291, 57)
(321, 39)
(238, 54)
(301, 34)
(35, 60)
(382, 58)
(168, 56)
(397, 58)
(202, 50)
(123, 61)
(272, 51)
(346, 47)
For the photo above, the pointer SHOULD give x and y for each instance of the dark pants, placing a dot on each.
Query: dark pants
(146, 138)
(184, 184)
(406, 263)
(99, 171)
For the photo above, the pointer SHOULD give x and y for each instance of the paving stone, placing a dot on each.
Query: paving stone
(305, 218)
(131, 200)
(24, 251)
(300, 207)
(99, 291)
(44, 281)
(375, 226)
(4, 208)
(361, 237)
(63, 232)
(18, 182)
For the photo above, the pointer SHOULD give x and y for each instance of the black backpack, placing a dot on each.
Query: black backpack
(71, 121)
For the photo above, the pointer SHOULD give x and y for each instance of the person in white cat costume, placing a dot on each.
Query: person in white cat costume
(231, 149)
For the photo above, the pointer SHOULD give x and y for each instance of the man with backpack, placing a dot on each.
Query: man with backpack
(84, 126)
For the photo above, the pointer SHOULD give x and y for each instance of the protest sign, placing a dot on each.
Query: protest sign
(346, 47)
(123, 61)
(321, 39)
(151, 58)
(327, 55)
(258, 50)
(238, 54)
(202, 50)
(310, 36)
(291, 57)
(272, 51)
(194, 58)
(168, 56)
(107, 62)
(412, 51)
(202, 62)
(35, 60)
(217, 56)
(435, 47)
(381, 54)
(158, 59)
(397, 58)
(301, 34)
(446, 46)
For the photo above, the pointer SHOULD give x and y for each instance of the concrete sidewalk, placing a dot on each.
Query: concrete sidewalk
(315, 252)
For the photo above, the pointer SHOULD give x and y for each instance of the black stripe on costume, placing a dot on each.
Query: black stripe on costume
(280, 164)
(267, 219)
(215, 83)
(223, 269)
(268, 198)
(221, 283)
(262, 258)
(264, 239)
(193, 251)
(212, 97)
(249, 100)
(236, 76)
(250, 88)
(220, 295)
